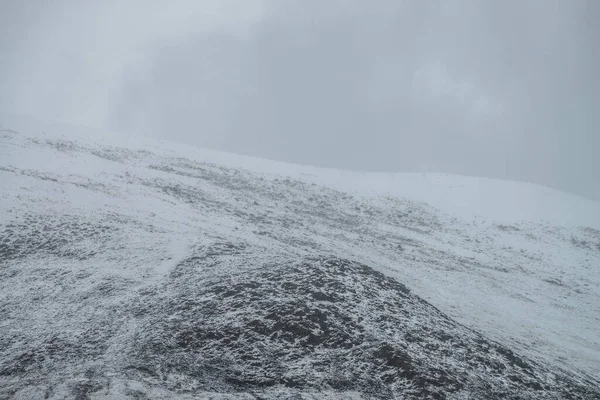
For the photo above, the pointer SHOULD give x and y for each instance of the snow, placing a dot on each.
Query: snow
(517, 262)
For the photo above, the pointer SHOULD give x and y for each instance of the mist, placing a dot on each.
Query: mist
(507, 90)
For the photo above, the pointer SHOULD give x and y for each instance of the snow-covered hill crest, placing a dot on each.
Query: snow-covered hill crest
(112, 248)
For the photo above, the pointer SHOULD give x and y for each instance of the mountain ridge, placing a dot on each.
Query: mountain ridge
(487, 196)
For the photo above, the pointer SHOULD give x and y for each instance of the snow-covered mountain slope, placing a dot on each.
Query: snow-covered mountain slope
(142, 268)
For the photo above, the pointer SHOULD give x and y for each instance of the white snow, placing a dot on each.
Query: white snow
(517, 261)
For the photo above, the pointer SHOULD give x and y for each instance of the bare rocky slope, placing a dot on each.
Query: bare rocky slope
(148, 274)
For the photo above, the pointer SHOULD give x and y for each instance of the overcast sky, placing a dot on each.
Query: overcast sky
(504, 89)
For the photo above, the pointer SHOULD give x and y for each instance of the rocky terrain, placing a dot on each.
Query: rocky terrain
(152, 272)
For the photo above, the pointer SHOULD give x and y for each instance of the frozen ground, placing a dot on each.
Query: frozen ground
(111, 250)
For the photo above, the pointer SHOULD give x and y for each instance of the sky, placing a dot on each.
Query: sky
(502, 89)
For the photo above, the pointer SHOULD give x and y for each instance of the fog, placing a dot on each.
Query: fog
(505, 89)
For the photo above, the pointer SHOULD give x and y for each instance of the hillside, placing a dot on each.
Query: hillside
(146, 269)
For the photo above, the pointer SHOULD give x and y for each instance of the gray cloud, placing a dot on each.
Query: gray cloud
(502, 89)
